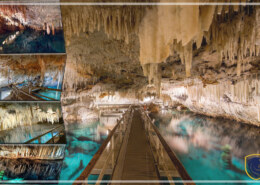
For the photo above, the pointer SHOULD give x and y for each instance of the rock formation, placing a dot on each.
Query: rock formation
(208, 51)
(20, 114)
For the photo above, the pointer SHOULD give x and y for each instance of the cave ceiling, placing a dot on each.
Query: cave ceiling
(122, 44)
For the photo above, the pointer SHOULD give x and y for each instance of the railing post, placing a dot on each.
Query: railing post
(52, 137)
(121, 131)
(158, 151)
(113, 151)
(39, 140)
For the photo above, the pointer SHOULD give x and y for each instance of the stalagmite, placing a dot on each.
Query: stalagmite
(48, 30)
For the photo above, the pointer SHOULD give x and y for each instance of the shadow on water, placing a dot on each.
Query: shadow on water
(30, 41)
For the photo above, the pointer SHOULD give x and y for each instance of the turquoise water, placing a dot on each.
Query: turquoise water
(83, 141)
(201, 143)
(45, 138)
(52, 94)
(49, 93)
(49, 83)
(22, 134)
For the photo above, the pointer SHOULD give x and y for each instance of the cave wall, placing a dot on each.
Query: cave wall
(20, 114)
(38, 17)
(238, 100)
(32, 152)
(211, 51)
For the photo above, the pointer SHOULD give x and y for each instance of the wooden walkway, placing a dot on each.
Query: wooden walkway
(138, 162)
(59, 137)
(25, 95)
(134, 151)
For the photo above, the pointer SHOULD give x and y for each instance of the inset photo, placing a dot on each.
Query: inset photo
(31, 78)
(31, 28)
(31, 123)
(20, 162)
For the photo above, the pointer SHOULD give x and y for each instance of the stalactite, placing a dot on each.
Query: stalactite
(19, 17)
(162, 29)
(164, 26)
(17, 69)
(117, 23)
(32, 152)
(224, 98)
(18, 115)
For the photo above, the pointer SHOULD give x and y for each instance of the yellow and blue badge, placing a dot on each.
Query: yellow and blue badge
(252, 166)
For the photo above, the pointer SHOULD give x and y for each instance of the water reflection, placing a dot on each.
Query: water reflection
(21, 134)
(83, 141)
(209, 148)
(26, 169)
(30, 41)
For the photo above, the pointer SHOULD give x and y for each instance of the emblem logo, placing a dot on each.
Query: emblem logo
(252, 166)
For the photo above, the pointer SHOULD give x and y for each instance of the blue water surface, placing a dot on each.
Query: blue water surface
(201, 143)
(31, 41)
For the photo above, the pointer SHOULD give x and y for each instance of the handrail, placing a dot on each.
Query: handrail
(180, 168)
(27, 94)
(95, 158)
(38, 137)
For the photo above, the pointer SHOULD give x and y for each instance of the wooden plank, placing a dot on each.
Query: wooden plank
(117, 171)
(27, 94)
(138, 163)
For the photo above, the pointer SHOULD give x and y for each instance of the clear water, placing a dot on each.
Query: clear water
(83, 141)
(45, 138)
(49, 83)
(200, 143)
(30, 41)
(52, 94)
(25, 133)
(49, 93)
